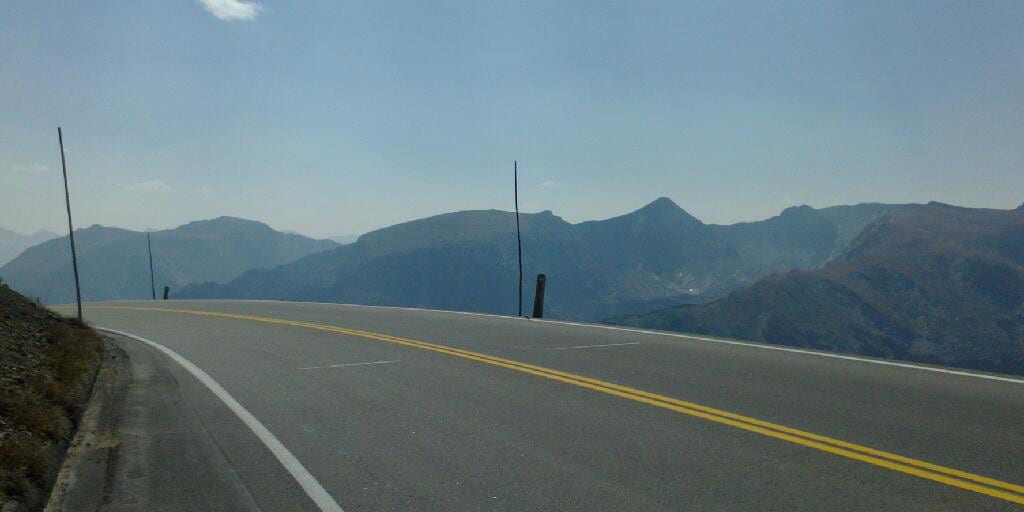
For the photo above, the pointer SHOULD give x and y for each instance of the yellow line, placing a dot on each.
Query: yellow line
(949, 476)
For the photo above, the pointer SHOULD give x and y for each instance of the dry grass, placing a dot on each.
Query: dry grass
(26, 412)
(73, 353)
(24, 461)
(43, 408)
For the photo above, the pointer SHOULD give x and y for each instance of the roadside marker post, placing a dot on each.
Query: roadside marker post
(519, 238)
(71, 227)
(538, 299)
(152, 282)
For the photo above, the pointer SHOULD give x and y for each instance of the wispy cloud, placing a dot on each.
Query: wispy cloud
(156, 186)
(30, 168)
(204, 190)
(232, 10)
(550, 183)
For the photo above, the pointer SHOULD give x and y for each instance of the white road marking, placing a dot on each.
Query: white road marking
(595, 346)
(344, 365)
(308, 482)
(795, 350)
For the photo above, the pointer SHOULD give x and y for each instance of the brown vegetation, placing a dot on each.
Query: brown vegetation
(46, 368)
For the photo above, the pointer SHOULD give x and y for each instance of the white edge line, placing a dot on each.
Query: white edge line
(307, 481)
(347, 364)
(654, 333)
(595, 346)
(795, 351)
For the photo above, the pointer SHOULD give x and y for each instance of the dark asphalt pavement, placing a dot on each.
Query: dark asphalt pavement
(425, 430)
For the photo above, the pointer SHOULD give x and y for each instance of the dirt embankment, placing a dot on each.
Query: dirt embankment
(47, 365)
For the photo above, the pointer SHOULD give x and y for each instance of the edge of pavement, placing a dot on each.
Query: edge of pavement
(141, 444)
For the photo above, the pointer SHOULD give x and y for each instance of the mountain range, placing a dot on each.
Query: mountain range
(656, 256)
(113, 262)
(932, 283)
(12, 244)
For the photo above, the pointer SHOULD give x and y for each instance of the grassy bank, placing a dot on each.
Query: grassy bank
(46, 368)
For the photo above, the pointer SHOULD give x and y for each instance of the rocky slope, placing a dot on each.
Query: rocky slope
(46, 367)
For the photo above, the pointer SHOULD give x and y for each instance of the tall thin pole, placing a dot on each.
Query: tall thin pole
(519, 238)
(152, 282)
(71, 227)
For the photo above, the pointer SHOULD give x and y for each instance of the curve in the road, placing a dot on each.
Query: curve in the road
(949, 476)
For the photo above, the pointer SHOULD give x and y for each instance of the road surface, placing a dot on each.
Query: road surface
(400, 409)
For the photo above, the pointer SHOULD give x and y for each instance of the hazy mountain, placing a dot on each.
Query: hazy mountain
(654, 257)
(12, 243)
(468, 261)
(344, 239)
(800, 237)
(932, 283)
(113, 262)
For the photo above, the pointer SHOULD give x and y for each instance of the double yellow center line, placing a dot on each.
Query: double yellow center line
(949, 476)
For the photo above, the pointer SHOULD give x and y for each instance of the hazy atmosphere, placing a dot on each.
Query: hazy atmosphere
(761, 255)
(341, 117)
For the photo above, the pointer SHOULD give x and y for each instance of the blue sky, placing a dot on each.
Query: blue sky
(337, 117)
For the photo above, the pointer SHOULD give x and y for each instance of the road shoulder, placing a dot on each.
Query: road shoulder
(142, 446)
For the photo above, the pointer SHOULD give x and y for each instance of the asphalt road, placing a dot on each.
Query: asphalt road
(471, 412)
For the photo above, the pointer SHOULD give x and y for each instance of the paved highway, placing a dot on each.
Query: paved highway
(328, 407)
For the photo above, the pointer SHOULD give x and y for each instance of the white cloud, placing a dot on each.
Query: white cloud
(232, 10)
(550, 183)
(30, 168)
(150, 186)
(204, 190)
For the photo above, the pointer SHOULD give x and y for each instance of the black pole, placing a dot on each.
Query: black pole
(152, 282)
(167, 290)
(519, 239)
(71, 227)
(538, 299)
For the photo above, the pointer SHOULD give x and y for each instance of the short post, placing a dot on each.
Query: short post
(538, 300)
(167, 291)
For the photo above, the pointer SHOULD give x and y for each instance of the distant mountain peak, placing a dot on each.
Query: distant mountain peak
(663, 210)
(1021, 207)
(218, 249)
(792, 210)
(226, 219)
(661, 203)
(223, 222)
(96, 227)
